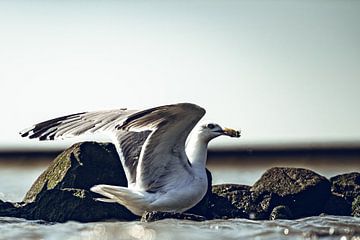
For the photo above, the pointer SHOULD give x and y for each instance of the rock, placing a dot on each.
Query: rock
(347, 189)
(355, 211)
(221, 208)
(303, 191)
(227, 188)
(61, 193)
(264, 204)
(238, 202)
(7, 209)
(281, 212)
(81, 166)
(346, 185)
(337, 205)
(61, 205)
(156, 216)
(6, 205)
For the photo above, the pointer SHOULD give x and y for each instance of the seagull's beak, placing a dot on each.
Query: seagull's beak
(231, 132)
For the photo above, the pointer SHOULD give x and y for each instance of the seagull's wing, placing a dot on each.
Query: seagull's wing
(163, 151)
(154, 137)
(77, 124)
(128, 145)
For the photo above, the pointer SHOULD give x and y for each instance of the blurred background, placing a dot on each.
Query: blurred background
(284, 72)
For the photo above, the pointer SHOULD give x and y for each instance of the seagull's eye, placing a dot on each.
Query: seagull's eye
(210, 126)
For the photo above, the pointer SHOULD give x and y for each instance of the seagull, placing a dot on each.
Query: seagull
(161, 149)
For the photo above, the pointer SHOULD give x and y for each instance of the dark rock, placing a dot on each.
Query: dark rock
(226, 188)
(281, 212)
(81, 166)
(61, 205)
(7, 209)
(238, 195)
(347, 189)
(156, 216)
(303, 191)
(248, 204)
(238, 200)
(346, 185)
(221, 208)
(337, 205)
(6, 205)
(61, 193)
(355, 211)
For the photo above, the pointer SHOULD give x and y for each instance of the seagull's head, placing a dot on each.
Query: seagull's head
(212, 130)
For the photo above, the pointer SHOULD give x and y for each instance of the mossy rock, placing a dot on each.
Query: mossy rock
(81, 166)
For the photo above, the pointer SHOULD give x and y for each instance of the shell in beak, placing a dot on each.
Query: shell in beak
(231, 132)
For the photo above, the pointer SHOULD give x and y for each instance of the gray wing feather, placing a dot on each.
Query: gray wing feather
(130, 144)
(152, 141)
(77, 124)
(164, 149)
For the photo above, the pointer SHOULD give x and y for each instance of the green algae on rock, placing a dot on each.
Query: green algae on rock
(61, 193)
(81, 166)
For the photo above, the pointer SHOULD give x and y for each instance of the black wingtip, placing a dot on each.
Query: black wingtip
(42, 138)
(25, 134)
(32, 136)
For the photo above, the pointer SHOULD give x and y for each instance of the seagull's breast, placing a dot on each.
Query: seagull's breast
(184, 196)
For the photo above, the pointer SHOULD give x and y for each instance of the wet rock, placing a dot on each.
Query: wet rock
(337, 205)
(61, 205)
(303, 191)
(7, 209)
(355, 211)
(238, 202)
(156, 216)
(221, 189)
(6, 205)
(281, 212)
(347, 189)
(81, 166)
(346, 185)
(221, 208)
(61, 193)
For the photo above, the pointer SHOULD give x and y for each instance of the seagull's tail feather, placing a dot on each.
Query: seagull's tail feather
(131, 199)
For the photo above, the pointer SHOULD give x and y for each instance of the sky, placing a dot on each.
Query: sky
(281, 71)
